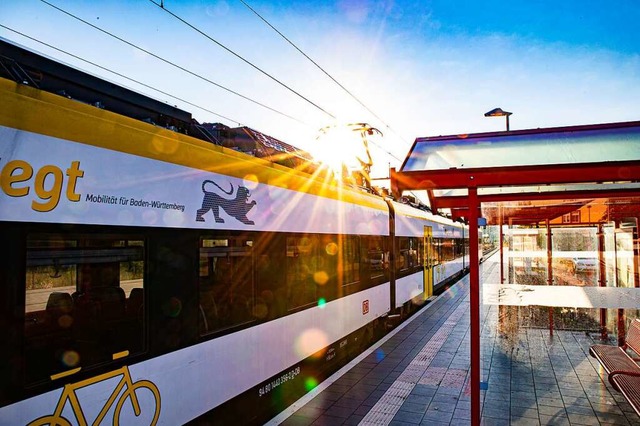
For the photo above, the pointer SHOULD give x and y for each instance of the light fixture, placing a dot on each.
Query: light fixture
(498, 112)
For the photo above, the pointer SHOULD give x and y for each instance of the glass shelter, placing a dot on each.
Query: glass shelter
(564, 207)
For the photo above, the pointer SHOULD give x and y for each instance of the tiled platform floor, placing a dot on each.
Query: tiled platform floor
(418, 375)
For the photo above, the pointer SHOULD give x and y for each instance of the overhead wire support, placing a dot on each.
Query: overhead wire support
(161, 6)
(175, 65)
(120, 75)
(322, 69)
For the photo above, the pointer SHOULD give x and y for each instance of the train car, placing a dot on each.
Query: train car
(430, 252)
(152, 277)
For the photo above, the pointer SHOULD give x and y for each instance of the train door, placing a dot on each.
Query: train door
(428, 261)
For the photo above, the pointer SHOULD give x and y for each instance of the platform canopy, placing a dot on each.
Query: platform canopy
(528, 175)
(531, 175)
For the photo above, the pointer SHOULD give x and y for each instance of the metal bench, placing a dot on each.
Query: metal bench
(628, 384)
(622, 367)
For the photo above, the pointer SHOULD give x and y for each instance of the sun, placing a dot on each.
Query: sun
(341, 148)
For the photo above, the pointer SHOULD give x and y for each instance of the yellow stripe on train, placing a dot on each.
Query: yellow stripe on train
(26, 108)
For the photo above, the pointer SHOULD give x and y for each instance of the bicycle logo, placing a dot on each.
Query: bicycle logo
(130, 387)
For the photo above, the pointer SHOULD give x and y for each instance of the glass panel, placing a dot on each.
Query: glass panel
(420, 251)
(270, 279)
(350, 260)
(535, 336)
(528, 253)
(84, 302)
(412, 254)
(611, 272)
(531, 148)
(226, 283)
(302, 260)
(447, 247)
(402, 262)
(378, 258)
(575, 255)
(624, 254)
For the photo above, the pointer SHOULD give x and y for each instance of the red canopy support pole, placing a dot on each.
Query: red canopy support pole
(500, 223)
(549, 272)
(602, 280)
(636, 264)
(621, 317)
(474, 279)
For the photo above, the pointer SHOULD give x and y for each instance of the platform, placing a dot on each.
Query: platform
(418, 374)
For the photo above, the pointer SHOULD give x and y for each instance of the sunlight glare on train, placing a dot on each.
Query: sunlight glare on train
(339, 147)
(311, 341)
(414, 296)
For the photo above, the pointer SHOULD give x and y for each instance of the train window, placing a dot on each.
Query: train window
(409, 258)
(436, 251)
(459, 247)
(402, 260)
(448, 249)
(412, 254)
(419, 242)
(226, 290)
(350, 260)
(84, 302)
(378, 257)
(271, 293)
(304, 267)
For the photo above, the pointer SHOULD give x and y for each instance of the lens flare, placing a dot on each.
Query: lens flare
(65, 321)
(452, 292)
(172, 218)
(150, 217)
(165, 145)
(321, 277)
(125, 217)
(260, 310)
(70, 358)
(331, 249)
(251, 181)
(321, 302)
(310, 383)
(310, 341)
(173, 307)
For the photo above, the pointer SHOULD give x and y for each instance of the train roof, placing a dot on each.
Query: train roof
(27, 67)
(37, 70)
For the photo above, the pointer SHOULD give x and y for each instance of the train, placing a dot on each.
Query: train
(154, 276)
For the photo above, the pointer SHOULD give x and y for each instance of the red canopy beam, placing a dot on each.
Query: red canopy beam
(614, 171)
(461, 201)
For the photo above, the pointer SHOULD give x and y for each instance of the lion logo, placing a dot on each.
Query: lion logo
(237, 207)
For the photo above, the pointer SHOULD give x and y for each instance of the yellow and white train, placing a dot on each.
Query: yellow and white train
(152, 277)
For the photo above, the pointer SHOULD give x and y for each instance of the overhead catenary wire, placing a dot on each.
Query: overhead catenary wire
(134, 80)
(325, 72)
(120, 75)
(161, 6)
(176, 65)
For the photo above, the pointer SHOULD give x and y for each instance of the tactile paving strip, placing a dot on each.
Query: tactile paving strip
(417, 371)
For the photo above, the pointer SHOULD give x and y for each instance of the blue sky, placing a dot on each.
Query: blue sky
(426, 68)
